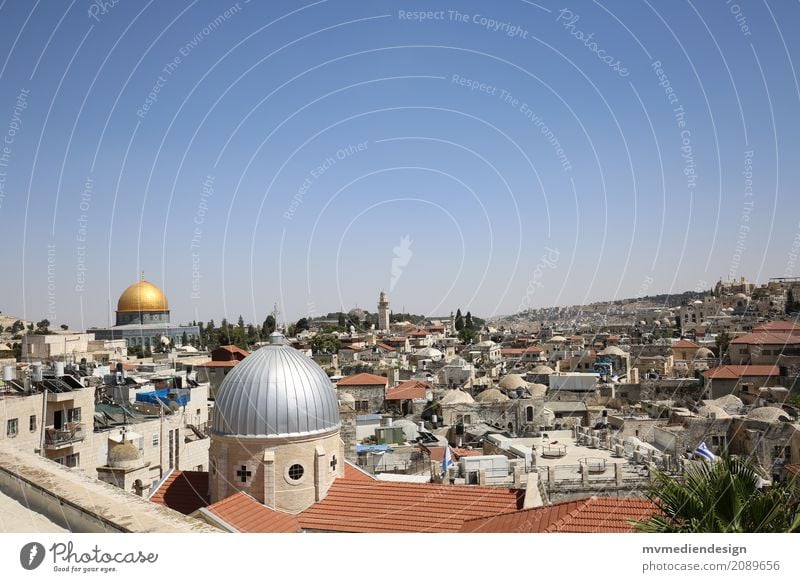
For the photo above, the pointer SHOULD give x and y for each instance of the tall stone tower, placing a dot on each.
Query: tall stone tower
(383, 312)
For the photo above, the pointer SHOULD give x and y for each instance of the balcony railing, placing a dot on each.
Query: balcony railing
(56, 438)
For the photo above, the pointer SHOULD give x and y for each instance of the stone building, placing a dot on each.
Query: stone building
(368, 391)
(275, 430)
(143, 319)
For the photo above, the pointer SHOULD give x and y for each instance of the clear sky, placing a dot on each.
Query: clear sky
(484, 155)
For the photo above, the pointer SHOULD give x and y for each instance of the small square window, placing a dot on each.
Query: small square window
(12, 427)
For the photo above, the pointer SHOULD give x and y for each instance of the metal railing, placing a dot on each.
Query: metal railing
(57, 437)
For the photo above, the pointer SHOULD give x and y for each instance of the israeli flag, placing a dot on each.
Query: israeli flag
(446, 461)
(702, 451)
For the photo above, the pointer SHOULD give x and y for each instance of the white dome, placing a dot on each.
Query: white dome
(768, 414)
(557, 339)
(613, 351)
(276, 391)
(542, 369)
(457, 397)
(428, 353)
(512, 382)
(537, 390)
(491, 395)
(703, 354)
(485, 344)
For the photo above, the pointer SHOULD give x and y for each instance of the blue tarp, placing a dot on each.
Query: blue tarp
(373, 449)
(163, 396)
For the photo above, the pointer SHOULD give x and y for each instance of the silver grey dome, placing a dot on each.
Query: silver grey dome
(276, 391)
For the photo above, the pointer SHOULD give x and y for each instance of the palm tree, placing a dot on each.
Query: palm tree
(720, 497)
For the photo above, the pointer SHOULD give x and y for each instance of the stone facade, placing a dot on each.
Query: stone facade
(287, 474)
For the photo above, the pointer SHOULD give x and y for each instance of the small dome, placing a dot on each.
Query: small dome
(613, 351)
(491, 395)
(542, 370)
(512, 382)
(124, 455)
(537, 390)
(431, 353)
(457, 397)
(485, 344)
(703, 354)
(276, 391)
(142, 296)
(768, 414)
(557, 339)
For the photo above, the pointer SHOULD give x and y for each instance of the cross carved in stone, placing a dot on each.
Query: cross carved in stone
(244, 474)
(334, 462)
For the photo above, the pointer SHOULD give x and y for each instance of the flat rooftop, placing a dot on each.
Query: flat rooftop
(16, 518)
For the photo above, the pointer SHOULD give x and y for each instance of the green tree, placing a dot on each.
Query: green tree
(722, 340)
(17, 327)
(184, 339)
(64, 326)
(240, 322)
(459, 320)
(301, 325)
(43, 326)
(269, 325)
(324, 343)
(468, 323)
(467, 335)
(724, 496)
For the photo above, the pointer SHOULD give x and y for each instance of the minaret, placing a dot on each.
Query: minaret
(383, 312)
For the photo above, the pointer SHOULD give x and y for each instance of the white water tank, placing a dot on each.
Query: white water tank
(59, 368)
(8, 373)
(36, 372)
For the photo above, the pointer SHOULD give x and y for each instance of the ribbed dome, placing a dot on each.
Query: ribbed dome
(142, 296)
(276, 391)
(512, 382)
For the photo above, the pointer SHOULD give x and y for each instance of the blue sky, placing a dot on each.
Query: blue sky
(529, 154)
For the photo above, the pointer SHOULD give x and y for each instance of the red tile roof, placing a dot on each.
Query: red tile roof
(735, 372)
(511, 351)
(592, 515)
(685, 344)
(218, 364)
(386, 347)
(408, 390)
(247, 515)
(379, 506)
(767, 338)
(363, 379)
(459, 452)
(779, 327)
(183, 491)
(354, 473)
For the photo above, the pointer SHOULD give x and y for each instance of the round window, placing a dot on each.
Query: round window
(296, 472)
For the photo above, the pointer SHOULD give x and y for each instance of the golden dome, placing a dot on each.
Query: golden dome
(142, 296)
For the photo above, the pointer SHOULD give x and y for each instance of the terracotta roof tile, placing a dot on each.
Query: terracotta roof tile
(183, 491)
(247, 515)
(408, 390)
(685, 344)
(363, 379)
(592, 515)
(361, 506)
(218, 364)
(735, 372)
(767, 338)
(354, 473)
